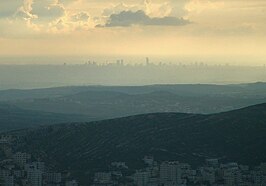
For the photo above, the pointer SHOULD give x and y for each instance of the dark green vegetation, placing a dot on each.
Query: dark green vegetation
(103, 102)
(12, 118)
(86, 147)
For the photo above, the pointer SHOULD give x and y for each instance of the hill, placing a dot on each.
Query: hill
(112, 102)
(258, 89)
(13, 118)
(86, 147)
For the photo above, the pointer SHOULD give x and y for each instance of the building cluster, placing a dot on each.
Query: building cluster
(20, 169)
(148, 62)
(121, 63)
(174, 173)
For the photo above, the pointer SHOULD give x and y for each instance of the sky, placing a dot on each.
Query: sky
(227, 29)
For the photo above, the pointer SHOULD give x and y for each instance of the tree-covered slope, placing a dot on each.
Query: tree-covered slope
(13, 118)
(236, 136)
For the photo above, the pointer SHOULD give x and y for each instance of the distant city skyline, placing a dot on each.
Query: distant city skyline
(227, 31)
(132, 60)
(92, 72)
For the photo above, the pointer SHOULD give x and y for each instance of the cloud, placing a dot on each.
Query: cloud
(47, 10)
(80, 21)
(66, 2)
(81, 16)
(151, 8)
(157, 9)
(9, 8)
(129, 18)
(116, 9)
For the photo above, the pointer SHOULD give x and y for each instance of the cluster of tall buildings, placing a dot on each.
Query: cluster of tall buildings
(174, 173)
(148, 62)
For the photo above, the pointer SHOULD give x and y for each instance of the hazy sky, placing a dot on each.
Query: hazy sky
(134, 27)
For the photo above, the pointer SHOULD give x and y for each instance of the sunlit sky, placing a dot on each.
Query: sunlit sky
(224, 28)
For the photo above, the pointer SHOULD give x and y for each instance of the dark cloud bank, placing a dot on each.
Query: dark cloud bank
(129, 18)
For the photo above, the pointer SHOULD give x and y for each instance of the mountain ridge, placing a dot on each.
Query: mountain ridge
(92, 146)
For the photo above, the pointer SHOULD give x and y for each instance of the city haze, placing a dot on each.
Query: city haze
(120, 73)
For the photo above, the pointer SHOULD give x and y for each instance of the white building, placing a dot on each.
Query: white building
(141, 178)
(170, 173)
(21, 158)
(231, 174)
(34, 174)
(208, 174)
(34, 177)
(53, 178)
(103, 177)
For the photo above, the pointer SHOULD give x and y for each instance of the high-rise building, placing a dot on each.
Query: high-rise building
(21, 158)
(147, 61)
